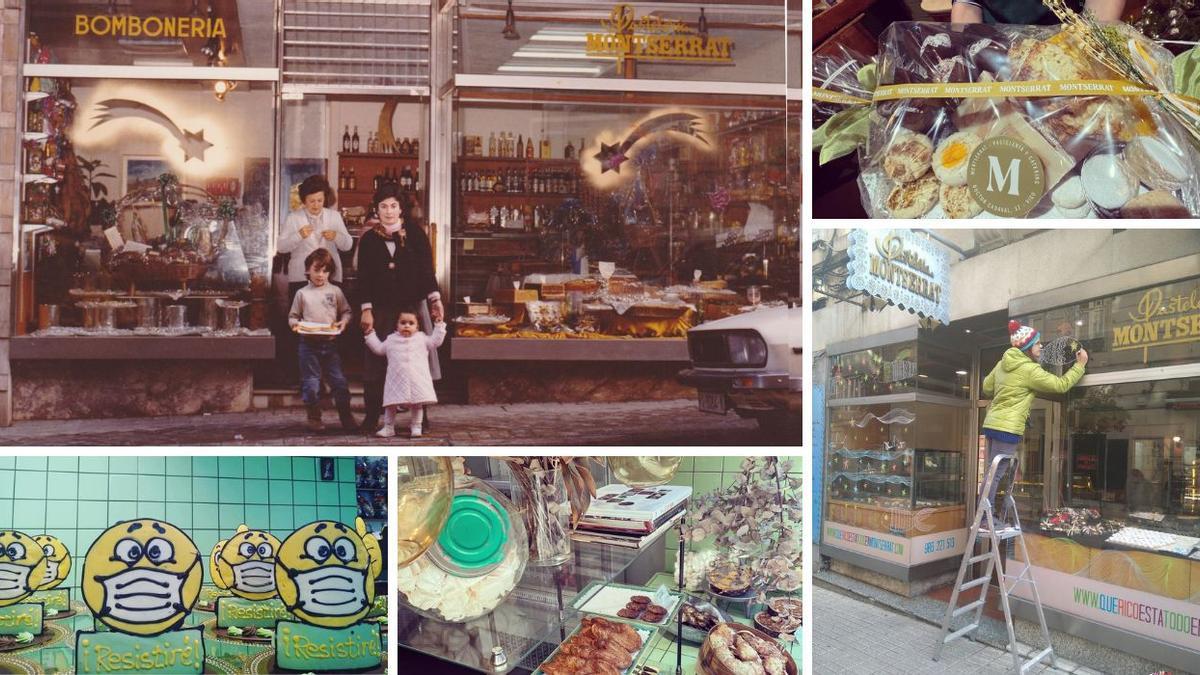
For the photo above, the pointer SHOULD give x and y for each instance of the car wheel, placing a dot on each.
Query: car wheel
(780, 423)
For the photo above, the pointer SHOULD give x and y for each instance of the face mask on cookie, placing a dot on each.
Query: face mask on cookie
(143, 595)
(14, 581)
(255, 576)
(331, 591)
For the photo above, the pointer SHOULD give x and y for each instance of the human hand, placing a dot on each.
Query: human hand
(329, 235)
(436, 311)
(367, 322)
(305, 231)
(1081, 357)
(341, 325)
(295, 328)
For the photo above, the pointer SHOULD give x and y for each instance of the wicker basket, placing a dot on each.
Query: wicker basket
(708, 664)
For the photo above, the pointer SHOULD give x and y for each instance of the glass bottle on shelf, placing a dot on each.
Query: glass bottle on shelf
(416, 147)
(346, 139)
(354, 140)
(492, 144)
(546, 154)
(353, 180)
(529, 149)
(405, 147)
(569, 151)
(520, 145)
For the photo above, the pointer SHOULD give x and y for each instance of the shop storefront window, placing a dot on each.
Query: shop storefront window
(599, 215)
(653, 41)
(896, 468)
(1132, 455)
(1155, 326)
(891, 369)
(144, 206)
(176, 34)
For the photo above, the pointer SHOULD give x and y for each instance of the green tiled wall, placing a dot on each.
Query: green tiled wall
(76, 498)
(707, 474)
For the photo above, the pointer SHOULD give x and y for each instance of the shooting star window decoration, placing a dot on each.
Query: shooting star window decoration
(191, 142)
(675, 124)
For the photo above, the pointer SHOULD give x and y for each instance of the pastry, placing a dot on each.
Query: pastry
(950, 157)
(640, 599)
(908, 157)
(1155, 204)
(741, 651)
(1055, 59)
(1155, 163)
(957, 201)
(913, 200)
(1106, 181)
(628, 613)
(1069, 195)
(700, 619)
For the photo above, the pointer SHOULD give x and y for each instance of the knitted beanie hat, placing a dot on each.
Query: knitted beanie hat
(1022, 337)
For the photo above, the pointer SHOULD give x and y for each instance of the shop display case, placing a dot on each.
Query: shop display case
(695, 223)
(895, 463)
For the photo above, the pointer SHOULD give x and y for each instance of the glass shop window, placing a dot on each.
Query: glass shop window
(1155, 326)
(144, 205)
(879, 371)
(618, 215)
(1132, 455)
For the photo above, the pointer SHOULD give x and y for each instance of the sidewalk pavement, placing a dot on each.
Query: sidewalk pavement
(855, 636)
(639, 423)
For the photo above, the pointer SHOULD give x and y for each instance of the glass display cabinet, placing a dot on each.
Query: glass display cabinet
(895, 466)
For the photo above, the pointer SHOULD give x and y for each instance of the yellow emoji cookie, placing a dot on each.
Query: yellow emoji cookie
(22, 566)
(142, 577)
(58, 560)
(372, 544)
(325, 575)
(212, 564)
(246, 564)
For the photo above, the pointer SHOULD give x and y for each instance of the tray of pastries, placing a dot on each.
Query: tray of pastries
(598, 647)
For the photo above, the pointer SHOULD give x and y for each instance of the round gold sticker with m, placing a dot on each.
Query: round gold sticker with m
(1006, 177)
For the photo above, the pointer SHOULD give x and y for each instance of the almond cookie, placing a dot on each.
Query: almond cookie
(913, 200)
(957, 202)
(908, 157)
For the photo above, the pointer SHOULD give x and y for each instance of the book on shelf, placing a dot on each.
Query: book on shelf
(627, 539)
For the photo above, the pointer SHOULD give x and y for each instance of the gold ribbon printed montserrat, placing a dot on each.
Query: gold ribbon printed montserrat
(1024, 89)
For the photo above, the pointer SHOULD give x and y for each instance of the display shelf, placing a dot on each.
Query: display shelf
(521, 161)
(495, 235)
(519, 195)
(28, 178)
(661, 350)
(34, 136)
(137, 348)
(35, 95)
(378, 155)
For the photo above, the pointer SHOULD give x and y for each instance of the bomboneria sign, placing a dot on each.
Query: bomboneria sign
(902, 269)
(652, 38)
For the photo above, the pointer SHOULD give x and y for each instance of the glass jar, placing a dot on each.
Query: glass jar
(476, 562)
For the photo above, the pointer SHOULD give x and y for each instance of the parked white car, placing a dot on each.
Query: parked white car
(750, 364)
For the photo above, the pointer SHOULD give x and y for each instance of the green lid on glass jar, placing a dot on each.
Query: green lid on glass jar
(476, 532)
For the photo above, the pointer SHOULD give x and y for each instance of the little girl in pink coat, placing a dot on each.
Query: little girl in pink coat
(408, 381)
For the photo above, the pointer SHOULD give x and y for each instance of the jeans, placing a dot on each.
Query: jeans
(315, 356)
(1008, 451)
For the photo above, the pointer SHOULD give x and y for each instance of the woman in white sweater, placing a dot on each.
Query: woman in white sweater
(314, 225)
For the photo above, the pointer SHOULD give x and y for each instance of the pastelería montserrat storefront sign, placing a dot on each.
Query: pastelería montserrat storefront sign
(50, 595)
(325, 573)
(1164, 315)
(653, 38)
(141, 579)
(22, 571)
(901, 268)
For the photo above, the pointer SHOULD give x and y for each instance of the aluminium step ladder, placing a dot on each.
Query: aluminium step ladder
(987, 528)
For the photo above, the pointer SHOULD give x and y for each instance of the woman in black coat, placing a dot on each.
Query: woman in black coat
(395, 269)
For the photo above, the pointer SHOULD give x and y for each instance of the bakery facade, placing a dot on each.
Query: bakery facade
(585, 208)
(1107, 489)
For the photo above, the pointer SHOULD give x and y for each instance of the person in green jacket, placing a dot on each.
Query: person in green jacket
(1012, 385)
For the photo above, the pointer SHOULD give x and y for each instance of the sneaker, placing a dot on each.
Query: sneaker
(386, 431)
(415, 431)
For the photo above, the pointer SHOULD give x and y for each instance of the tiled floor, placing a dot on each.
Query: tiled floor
(852, 636)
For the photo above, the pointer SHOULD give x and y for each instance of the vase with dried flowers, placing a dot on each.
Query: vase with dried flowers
(756, 524)
(551, 494)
